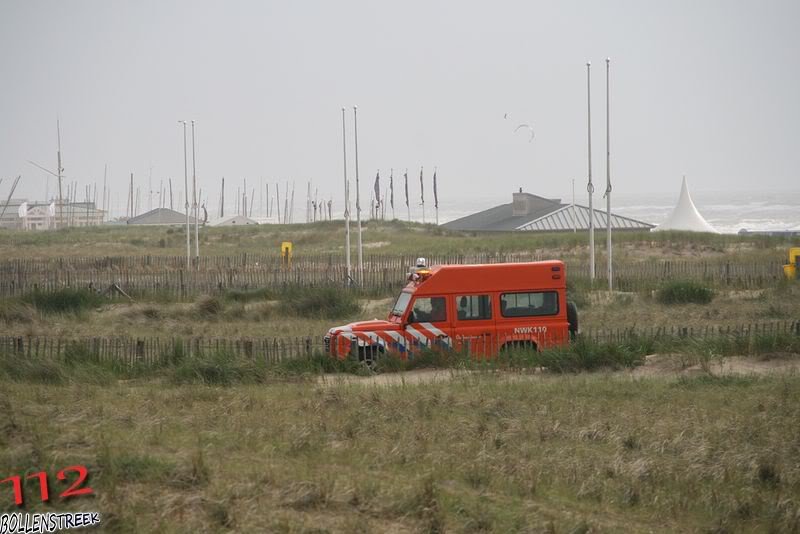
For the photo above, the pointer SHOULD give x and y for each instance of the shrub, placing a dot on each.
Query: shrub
(322, 303)
(247, 295)
(12, 311)
(684, 293)
(66, 300)
(23, 369)
(207, 305)
(220, 368)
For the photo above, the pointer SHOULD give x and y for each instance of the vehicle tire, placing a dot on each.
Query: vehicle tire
(572, 319)
(369, 355)
(519, 346)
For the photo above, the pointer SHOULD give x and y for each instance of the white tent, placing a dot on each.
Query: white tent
(236, 220)
(685, 216)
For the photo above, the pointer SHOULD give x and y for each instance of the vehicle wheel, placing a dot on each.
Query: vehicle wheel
(369, 355)
(572, 319)
(518, 346)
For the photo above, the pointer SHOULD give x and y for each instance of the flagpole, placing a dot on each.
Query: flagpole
(194, 207)
(391, 191)
(186, 196)
(346, 203)
(590, 187)
(608, 177)
(358, 203)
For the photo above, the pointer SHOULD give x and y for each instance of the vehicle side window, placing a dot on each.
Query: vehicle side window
(529, 304)
(428, 310)
(473, 307)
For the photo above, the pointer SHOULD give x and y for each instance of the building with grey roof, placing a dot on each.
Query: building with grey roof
(161, 217)
(529, 212)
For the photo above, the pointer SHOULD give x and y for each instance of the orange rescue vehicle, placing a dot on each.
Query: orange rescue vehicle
(478, 309)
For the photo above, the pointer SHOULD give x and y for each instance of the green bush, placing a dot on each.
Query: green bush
(208, 306)
(220, 369)
(248, 295)
(64, 300)
(684, 293)
(320, 303)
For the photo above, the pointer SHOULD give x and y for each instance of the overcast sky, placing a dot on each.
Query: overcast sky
(709, 89)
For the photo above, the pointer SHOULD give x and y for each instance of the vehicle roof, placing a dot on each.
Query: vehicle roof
(492, 277)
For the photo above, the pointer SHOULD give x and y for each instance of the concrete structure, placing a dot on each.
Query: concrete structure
(685, 216)
(533, 213)
(236, 220)
(161, 217)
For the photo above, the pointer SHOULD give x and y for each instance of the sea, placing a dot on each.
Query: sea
(727, 211)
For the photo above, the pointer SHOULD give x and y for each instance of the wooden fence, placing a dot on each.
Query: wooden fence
(150, 351)
(168, 275)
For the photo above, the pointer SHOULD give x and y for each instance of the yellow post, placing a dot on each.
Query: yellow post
(790, 269)
(286, 254)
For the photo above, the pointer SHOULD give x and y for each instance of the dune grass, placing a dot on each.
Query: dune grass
(393, 237)
(478, 454)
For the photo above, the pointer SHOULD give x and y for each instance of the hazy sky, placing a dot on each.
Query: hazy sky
(709, 89)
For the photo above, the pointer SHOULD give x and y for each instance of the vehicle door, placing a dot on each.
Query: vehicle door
(428, 322)
(474, 328)
(531, 316)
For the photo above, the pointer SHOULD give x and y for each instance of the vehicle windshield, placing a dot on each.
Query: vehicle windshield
(401, 304)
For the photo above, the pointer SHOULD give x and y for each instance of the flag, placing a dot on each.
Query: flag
(378, 188)
(51, 209)
(391, 188)
(421, 187)
(23, 210)
(406, 178)
(435, 193)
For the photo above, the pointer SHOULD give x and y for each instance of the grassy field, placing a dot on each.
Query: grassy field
(480, 453)
(305, 313)
(213, 444)
(380, 237)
